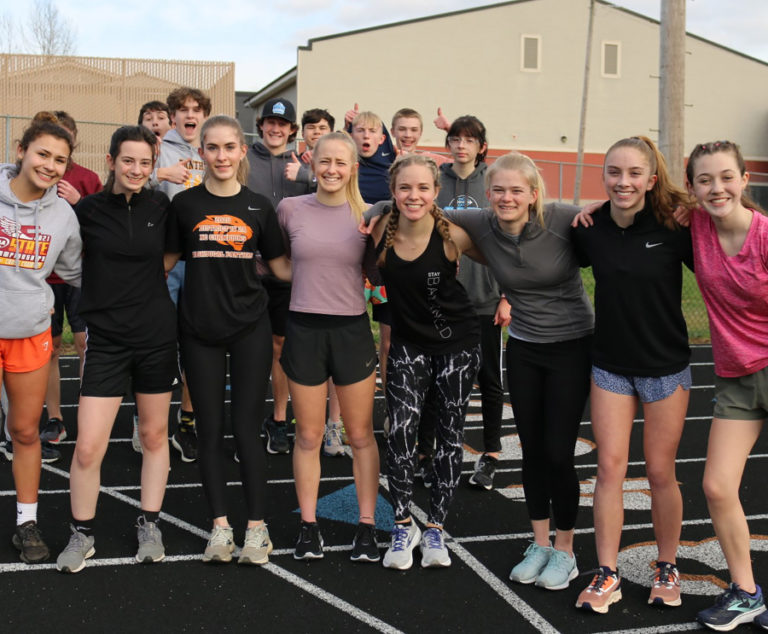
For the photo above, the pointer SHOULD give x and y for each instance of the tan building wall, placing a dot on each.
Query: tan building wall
(470, 62)
(100, 93)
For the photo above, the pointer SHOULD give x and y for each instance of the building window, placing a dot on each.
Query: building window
(530, 53)
(611, 62)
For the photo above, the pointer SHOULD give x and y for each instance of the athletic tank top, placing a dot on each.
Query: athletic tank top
(431, 310)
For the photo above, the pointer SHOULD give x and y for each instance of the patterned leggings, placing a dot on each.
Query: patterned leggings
(410, 374)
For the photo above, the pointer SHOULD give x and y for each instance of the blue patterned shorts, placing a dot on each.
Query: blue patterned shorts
(647, 388)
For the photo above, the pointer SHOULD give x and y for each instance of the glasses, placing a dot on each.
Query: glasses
(469, 140)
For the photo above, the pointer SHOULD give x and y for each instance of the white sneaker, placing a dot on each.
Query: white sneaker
(332, 444)
(405, 537)
(434, 554)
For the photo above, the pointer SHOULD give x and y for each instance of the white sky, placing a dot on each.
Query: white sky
(261, 37)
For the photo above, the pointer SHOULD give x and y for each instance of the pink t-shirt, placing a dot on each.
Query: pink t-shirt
(735, 291)
(326, 252)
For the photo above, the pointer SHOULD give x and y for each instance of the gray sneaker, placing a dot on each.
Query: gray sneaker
(434, 554)
(405, 537)
(220, 545)
(257, 546)
(72, 558)
(151, 547)
(332, 444)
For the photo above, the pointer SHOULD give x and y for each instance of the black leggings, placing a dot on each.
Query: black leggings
(548, 388)
(409, 374)
(250, 360)
(491, 393)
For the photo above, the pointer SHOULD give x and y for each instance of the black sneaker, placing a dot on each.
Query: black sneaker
(364, 546)
(53, 431)
(28, 540)
(48, 453)
(309, 545)
(184, 439)
(277, 436)
(484, 472)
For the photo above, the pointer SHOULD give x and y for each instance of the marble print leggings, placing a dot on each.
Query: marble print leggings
(410, 374)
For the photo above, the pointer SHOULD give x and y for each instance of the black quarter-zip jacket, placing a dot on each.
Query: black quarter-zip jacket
(639, 324)
(124, 294)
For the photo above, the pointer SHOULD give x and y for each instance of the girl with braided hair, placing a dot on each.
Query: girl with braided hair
(435, 344)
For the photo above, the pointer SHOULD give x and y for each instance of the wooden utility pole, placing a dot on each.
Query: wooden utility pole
(672, 86)
(584, 98)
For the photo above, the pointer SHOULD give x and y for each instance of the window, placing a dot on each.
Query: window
(530, 53)
(611, 59)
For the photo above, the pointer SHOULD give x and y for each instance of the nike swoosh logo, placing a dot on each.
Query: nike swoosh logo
(648, 245)
(150, 224)
(385, 153)
(369, 363)
(254, 208)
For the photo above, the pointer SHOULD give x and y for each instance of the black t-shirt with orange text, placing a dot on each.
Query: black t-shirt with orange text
(219, 237)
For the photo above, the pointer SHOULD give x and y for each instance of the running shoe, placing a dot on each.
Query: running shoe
(761, 620)
(257, 546)
(535, 559)
(28, 540)
(220, 546)
(332, 443)
(135, 440)
(309, 545)
(364, 547)
(150, 538)
(485, 469)
(53, 431)
(732, 608)
(277, 436)
(48, 453)
(665, 586)
(434, 554)
(604, 590)
(405, 537)
(184, 439)
(80, 547)
(559, 572)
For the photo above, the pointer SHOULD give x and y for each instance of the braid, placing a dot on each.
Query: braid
(442, 226)
(389, 234)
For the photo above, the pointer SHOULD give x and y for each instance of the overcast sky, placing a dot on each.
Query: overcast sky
(261, 37)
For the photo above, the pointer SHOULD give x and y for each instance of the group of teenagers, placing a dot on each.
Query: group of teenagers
(440, 331)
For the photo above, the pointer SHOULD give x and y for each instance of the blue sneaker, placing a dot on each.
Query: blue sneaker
(405, 537)
(761, 620)
(732, 608)
(559, 572)
(535, 560)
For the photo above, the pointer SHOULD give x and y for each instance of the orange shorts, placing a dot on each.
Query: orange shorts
(26, 355)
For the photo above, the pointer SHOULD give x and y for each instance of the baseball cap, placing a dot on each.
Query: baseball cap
(281, 108)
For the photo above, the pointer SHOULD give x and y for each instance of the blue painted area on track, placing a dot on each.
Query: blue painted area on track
(341, 506)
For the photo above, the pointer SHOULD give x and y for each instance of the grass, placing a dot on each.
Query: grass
(694, 310)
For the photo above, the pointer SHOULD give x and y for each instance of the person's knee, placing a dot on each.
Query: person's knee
(716, 490)
(611, 468)
(360, 436)
(309, 439)
(661, 476)
(25, 436)
(87, 454)
(153, 438)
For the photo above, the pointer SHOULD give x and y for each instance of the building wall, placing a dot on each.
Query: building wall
(470, 62)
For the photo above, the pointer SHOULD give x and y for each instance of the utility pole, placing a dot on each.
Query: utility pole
(672, 86)
(584, 98)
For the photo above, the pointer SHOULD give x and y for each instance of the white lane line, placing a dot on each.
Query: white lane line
(675, 627)
(331, 599)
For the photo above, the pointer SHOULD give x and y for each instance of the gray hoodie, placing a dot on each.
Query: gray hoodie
(172, 150)
(469, 193)
(267, 175)
(48, 238)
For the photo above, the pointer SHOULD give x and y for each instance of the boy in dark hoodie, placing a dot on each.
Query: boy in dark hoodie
(462, 186)
(268, 160)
